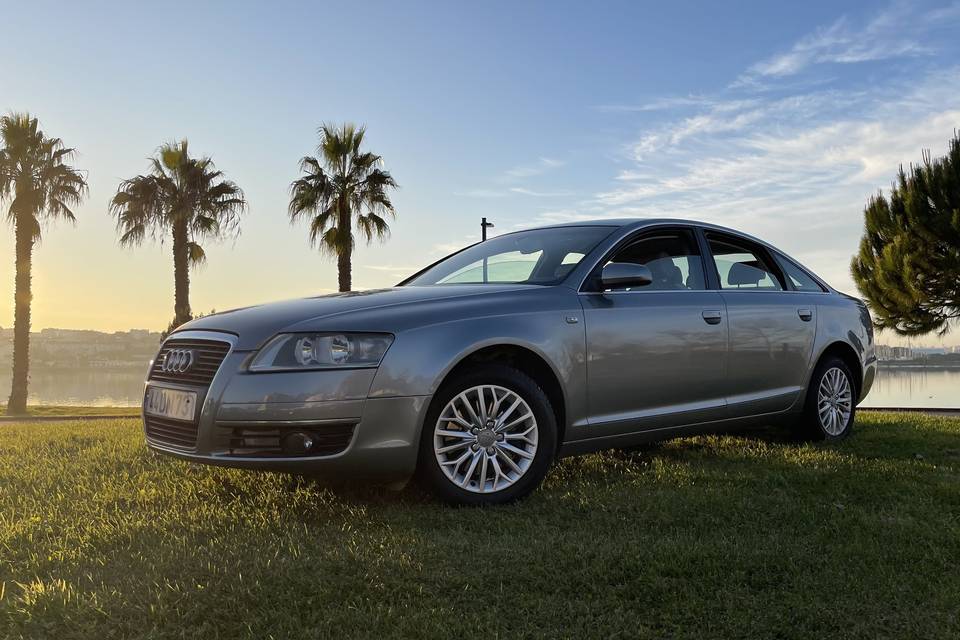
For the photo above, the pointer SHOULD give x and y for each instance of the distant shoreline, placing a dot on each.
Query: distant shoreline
(897, 364)
(139, 367)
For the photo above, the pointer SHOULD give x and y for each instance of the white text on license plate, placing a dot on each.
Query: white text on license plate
(170, 403)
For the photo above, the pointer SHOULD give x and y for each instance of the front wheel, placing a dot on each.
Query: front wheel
(489, 437)
(830, 406)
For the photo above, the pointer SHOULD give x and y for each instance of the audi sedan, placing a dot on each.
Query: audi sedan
(479, 371)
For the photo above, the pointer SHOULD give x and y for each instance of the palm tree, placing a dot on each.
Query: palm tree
(40, 185)
(342, 186)
(183, 196)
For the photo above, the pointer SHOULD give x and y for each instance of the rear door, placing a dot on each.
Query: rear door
(772, 328)
(657, 353)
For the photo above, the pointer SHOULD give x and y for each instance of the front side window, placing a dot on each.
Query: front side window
(671, 256)
(800, 279)
(740, 266)
(538, 256)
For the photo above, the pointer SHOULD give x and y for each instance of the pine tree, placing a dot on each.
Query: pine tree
(908, 266)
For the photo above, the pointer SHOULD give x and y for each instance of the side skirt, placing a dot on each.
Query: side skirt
(590, 445)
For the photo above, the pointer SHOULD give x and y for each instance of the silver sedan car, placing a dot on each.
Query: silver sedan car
(479, 371)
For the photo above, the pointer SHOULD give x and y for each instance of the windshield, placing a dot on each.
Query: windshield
(538, 256)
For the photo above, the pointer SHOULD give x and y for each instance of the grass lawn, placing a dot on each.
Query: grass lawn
(748, 536)
(58, 410)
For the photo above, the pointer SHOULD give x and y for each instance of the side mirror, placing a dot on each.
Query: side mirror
(620, 275)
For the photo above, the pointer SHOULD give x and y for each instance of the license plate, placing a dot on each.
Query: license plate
(170, 403)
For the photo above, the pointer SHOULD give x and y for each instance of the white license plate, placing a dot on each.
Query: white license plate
(170, 403)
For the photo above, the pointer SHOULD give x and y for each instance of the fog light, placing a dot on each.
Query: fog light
(297, 442)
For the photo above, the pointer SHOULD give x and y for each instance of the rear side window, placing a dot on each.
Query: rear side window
(800, 279)
(671, 256)
(741, 266)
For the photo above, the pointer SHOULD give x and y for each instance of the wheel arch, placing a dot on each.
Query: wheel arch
(526, 360)
(849, 356)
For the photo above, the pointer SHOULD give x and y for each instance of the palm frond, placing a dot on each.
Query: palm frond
(336, 240)
(181, 189)
(373, 227)
(312, 192)
(196, 254)
(35, 176)
(341, 186)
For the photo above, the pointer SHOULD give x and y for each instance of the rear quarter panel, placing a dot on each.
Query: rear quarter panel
(845, 319)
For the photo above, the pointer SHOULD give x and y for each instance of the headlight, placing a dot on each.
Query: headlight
(291, 351)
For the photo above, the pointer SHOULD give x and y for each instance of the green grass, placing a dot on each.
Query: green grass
(748, 536)
(63, 410)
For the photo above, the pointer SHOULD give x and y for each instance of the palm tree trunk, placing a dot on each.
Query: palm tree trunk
(344, 269)
(17, 403)
(345, 249)
(181, 275)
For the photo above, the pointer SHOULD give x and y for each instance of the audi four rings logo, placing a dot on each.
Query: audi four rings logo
(177, 361)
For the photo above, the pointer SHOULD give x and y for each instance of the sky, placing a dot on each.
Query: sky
(778, 119)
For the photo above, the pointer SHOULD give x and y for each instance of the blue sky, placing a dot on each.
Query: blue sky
(775, 118)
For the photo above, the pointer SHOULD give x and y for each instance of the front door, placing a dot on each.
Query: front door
(657, 354)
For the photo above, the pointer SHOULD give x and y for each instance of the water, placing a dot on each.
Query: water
(81, 387)
(913, 387)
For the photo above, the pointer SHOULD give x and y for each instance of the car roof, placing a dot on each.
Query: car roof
(639, 223)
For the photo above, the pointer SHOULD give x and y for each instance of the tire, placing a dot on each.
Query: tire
(504, 460)
(830, 407)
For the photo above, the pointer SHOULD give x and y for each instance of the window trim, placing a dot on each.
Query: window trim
(588, 285)
(754, 247)
(780, 257)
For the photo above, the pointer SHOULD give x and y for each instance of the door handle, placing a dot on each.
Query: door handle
(805, 314)
(712, 317)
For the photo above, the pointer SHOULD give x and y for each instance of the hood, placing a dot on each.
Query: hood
(255, 325)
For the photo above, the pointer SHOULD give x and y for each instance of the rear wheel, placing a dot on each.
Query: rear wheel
(489, 437)
(830, 406)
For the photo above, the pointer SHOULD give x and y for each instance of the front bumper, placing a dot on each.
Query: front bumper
(385, 431)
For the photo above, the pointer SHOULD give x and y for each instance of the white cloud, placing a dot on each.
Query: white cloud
(795, 170)
(660, 104)
(540, 194)
(898, 31)
(483, 193)
(542, 166)
(522, 191)
(720, 119)
(789, 161)
(514, 176)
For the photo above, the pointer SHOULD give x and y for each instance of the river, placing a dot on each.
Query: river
(914, 387)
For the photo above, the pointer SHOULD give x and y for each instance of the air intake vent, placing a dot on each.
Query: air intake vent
(171, 432)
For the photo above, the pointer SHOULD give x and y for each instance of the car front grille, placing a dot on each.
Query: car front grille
(207, 357)
(172, 432)
(328, 439)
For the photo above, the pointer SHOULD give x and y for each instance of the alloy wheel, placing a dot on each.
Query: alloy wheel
(485, 438)
(834, 401)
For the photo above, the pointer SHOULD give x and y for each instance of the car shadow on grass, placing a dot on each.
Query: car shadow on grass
(877, 439)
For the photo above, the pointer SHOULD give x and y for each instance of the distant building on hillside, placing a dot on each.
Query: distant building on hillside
(888, 353)
(84, 349)
(6, 345)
